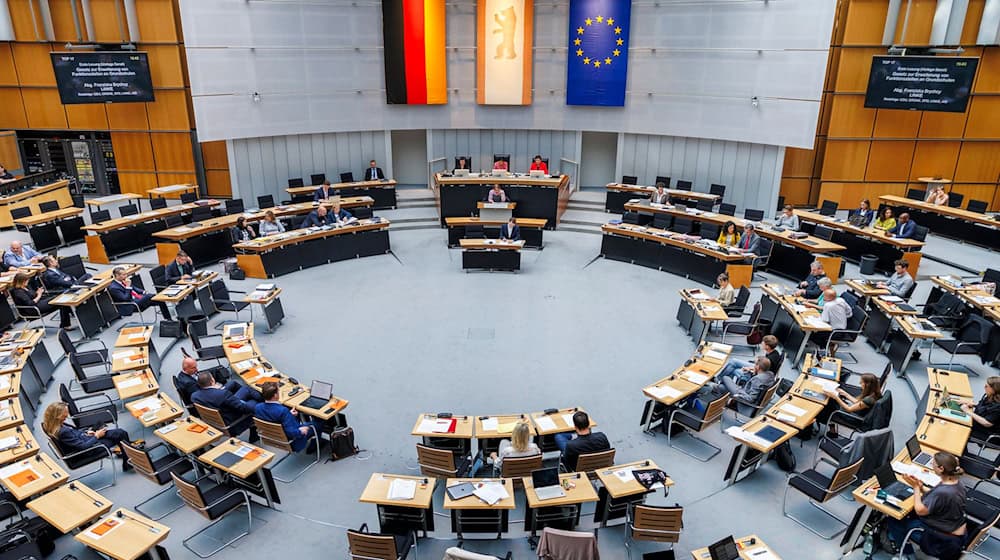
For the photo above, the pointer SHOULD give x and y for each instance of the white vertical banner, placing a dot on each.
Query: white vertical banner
(504, 34)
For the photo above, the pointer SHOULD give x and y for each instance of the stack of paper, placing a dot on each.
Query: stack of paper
(827, 384)
(243, 451)
(714, 355)
(792, 409)
(743, 435)
(490, 424)
(700, 295)
(121, 354)
(568, 419)
(664, 392)
(545, 423)
(151, 404)
(130, 383)
(9, 442)
(818, 323)
(434, 425)
(891, 298)
(923, 475)
(402, 489)
(695, 378)
(4, 382)
(491, 492)
(264, 287)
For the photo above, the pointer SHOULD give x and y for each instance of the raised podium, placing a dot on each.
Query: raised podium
(495, 211)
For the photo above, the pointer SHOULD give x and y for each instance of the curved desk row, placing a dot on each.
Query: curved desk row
(619, 194)
(972, 227)
(32, 197)
(111, 239)
(382, 192)
(274, 255)
(537, 197)
(860, 241)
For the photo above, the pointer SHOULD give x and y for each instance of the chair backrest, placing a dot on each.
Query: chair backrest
(590, 462)
(347, 177)
(48, 206)
(753, 214)
(886, 372)
(368, 546)
(212, 417)
(955, 199)
(439, 463)
(881, 414)
(630, 217)
(317, 178)
(713, 412)
(140, 461)
(66, 397)
(766, 246)
(517, 467)
(219, 290)
(709, 231)
(683, 185)
(683, 225)
(128, 210)
(851, 298)
(157, 203)
(158, 274)
(265, 201)
(475, 230)
(201, 213)
(661, 221)
(843, 477)
(657, 523)
(66, 342)
(975, 329)
(98, 216)
(188, 197)
(916, 194)
(920, 232)
(828, 208)
(190, 493)
(663, 179)
(823, 232)
(22, 212)
(742, 297)
(362, 212)
(273, 435)
(630, 180)
(704, 205)
(72, 265)
(235, 206)
(991, 275)
(717, 189)
(296, 182)
(468, 161)
(501, 157)
(727, 209)
(173, 221)
(982, 533)
(767, 394)
(976, 206)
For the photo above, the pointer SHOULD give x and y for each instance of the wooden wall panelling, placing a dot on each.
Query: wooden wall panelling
(44, 109)
(918, 31)
(8, 74)
(849, 195)
(10, 156)
(89, 116)
(996, 202)
(127, 116)
(133, 151)
(970, 29)
(136, 182)
(795, 191)
(214, 156)
(157, 21)
(978, 162)
(63, 28)
(988, 71)
(219, 183)
(172, 151)
(165, 65)
(849, 118)
(34, 65)
(934, 159)
(864, 22)
(845, 160)
(984, 117)
(893, 123)
(169, 111)
(798, 162)
(854, 68)
(935, 124)
(105, 17)
(165, 179)
(986, 193)
(12, 113)
(23, 22)
(889, 160)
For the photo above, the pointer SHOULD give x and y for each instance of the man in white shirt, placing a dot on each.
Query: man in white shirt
(900, 282)
(836, 312)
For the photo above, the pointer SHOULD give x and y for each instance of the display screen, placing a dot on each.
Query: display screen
(924, 83)
(102, 77)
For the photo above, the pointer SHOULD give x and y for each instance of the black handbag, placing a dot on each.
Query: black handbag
(237, 274)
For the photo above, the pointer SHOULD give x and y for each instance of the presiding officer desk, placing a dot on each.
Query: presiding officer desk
(113, 238)
(672, 252)
(860, 241)
(543, 197)
(209, 241)
(972, 227)
(531, 229)
(382, 192)
(619, 194)
(274, 255)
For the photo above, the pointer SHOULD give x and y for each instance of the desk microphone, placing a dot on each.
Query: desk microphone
(75, 488)
(120, 514)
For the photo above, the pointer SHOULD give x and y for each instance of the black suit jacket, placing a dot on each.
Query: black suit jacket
(377, 174)
(590, 443)
(231, 408)
(187, 385)
(174, 271)
(513, 235)
(56, 280)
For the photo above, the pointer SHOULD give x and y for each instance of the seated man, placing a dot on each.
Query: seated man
(323, 192)
(749, 391)
(374, 172)
(660, 195)
(809, 288)
(271, 410)
(318, 217)
(187, 381)
(341, 217)
(740, 370)
(900, 283)
(18, 255)
(823, 283)
(56, 280)
(749, 241)
(836, 312)
(510, 231)
(123, 292)
(905, 227)
(181, 268)
(496, 194)
(234, 408)
(585, 441)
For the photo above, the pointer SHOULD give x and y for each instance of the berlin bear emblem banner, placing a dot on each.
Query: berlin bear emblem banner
(504, 33)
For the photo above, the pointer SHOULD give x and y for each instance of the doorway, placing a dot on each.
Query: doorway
(409, 158)
(598, 157)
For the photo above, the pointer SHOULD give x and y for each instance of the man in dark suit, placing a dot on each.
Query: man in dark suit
(373, 173)
(510, 231)
(318, 217)
(905, 227)
(123, 294)
(323, 192)
(585, 441)
(271, 410)
(187, 381)
(235, 408)
(749, 241)
(56, 280)
(181, 268)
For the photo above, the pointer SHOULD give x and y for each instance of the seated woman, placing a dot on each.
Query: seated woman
(500, 164)
(519, 445)
(73, 440)
(25, 297)
(271, 225)
(242, 231)
(885, 221)
(986, 413)
(937, 196)
(727, 295)
(939, 511)
(729, 237)
(787, 219)
(538, 165)
(840, 399)
(863, 215)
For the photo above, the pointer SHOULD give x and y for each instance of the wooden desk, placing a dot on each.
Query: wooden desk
(782, 411)
(892, 309)
(333, 407)
(10, 413)
(747, 551)
(92, 305)
(134, 336)
(10, 379)
(956, 382)
(860, 241)
(155, 410)
(972, 227)
(491, 254)
(531, 229)
(30, 477)
(901, 350)
(119, 236)
(865, 290)
(70, 506)
(463, 428)
(44, 228)
(172, 191)
(244, 468)
(129, 358)
(943, 434)
(56, 191)
(129, 536)
(698, 310)
(739, 462)
(618, 194)
(791, 322)
(544, 197)
(415, 513)
(562, 418)
(932, 409)
(489, 439)
(383, 192)
(181, 436)
(135, 384)
(472, 511)
(26, 447)
(99, 201)
(622, 487)
(577, 489)
(174, 293)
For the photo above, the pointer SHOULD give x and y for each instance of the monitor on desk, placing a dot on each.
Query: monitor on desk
(461, 173)
(725, 549)
(536, 174)
(498, 173)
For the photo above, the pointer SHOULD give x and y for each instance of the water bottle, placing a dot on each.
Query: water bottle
(869, 546)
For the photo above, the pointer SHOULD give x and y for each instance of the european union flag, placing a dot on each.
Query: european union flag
(598, 52)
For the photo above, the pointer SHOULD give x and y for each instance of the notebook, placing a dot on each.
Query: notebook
(228, 459)
(770, 433)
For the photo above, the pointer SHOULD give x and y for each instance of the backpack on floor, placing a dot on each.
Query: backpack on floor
(342, 444)
(784, 457)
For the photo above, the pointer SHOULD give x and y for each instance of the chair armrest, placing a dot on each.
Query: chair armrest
(78, 343)
(989, 481)
(91, 397)
(102, 414)
(848, 416)
(88, 450)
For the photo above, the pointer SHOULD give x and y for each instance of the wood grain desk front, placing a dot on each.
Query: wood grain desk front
(943, 434)
(33, 476)
(113, 238)
(244, 468)
(577, 490)
(531, 229)
(26, 445)
(956, 382)
(172, 191)
(33, 197)
(473, 502)
(415, 513)
(188, 435)
(543, 197)
(44, 228)
(972, 227)
(383, 192)
(750, 548)
(618, 194)
(125, 535)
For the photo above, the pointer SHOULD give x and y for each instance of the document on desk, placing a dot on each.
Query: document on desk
(545, 423)
(402, 489)
(491, 492)
(925, 476)
(122, 354)
(435, 425)
(696, 378)
(130, 383)
(664, 392)
(792, 409)
(891, 298)
(9, 442)
(743, 435)
(4, 383)
(799, 308)
(720, 347)
(760, 554)
(490, 424)
(715, 355)
(826, 384)
(149, 404)
(568, 419)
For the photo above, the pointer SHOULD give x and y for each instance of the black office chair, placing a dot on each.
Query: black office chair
(753, 215)
(820, 488)
(265, 201)
(235, 206)
(823, 232)
(347, 177)
(916, 194)
(188, 198)
(362, 212)
(742, 328)
(475, 231)
(317, 178)
(709, 231)
(855, 390)
(739, 305)
(947, 313)
(503, 157)
(157, 203)
(855, 326)
(468, 161)
(828, 208)
(662, 221)
(73, 265)
(705, 205)
(977, 206)
(955, 199)
(98, 216)
(717, 189)
(781, 203)
(920, 233)
(213, 501)
(18, 213)
(221, 297)
(128, 210)
(201, 213)
(296, 182)
(764, 258)
(630, 180)
(630, 218)
(173, 221)
(683, 185)
(971, 338)
(663, 179)
(683, 225)
(727, 209)
(50, 206)
(99, 411)
(991, 275)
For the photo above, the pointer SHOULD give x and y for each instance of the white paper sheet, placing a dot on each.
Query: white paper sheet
(568, 419)
(130, 383)
(665, 391)
(695, 378)
(717, 356)
(792, 409)
(491, 424)
(491, 492)
(402, 489)
(545, 423)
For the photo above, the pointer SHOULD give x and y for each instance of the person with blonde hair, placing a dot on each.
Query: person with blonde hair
(519, 445)
(71, 439)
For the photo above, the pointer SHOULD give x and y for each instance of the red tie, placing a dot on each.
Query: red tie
(746, 242)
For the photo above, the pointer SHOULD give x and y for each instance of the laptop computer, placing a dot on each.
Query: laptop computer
(680, 207)
(725, 549)
(536, 173)
(891, 485)
(546, 483)
(498, 173)
(319, 394)
(462, 490)
(461, 173)
(917, 455)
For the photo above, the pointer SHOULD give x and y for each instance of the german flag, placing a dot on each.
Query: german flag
(413, 31)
